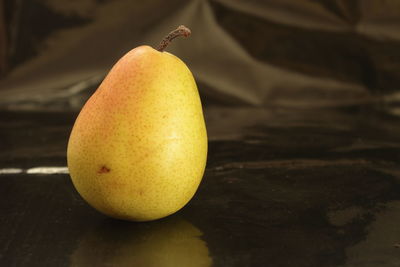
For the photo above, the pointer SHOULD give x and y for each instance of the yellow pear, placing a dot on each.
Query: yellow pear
(138, 148)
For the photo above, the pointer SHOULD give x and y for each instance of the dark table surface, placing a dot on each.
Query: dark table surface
(281, 188)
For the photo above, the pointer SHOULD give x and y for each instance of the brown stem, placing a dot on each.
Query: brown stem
(180, 31)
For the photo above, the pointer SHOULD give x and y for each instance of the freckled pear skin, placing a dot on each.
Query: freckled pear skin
(138, 148)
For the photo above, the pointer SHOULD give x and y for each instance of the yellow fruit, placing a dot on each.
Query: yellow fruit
(138, 148)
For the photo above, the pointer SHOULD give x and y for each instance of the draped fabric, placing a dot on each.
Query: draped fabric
(285, 53)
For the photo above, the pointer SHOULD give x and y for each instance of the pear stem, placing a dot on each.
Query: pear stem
(180, 31)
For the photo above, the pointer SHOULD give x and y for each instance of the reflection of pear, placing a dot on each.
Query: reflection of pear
(172, 242)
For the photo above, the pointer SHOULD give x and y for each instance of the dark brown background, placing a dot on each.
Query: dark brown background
(282, 53)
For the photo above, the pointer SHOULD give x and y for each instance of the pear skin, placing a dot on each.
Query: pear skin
(138, 148)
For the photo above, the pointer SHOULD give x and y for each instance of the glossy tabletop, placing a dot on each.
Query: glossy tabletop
(282, 188)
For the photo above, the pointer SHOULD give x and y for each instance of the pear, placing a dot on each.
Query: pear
(138, 148)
